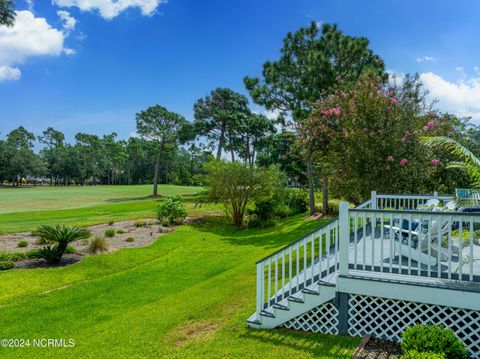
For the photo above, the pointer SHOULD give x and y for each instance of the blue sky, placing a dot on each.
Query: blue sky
(90, 69)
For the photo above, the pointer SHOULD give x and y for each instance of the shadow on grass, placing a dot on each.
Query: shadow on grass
(282, 233)
(127, 199)
(317, 344)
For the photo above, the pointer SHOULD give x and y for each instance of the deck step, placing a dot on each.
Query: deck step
(295, 299)
(310, 291)
(267, 314)
(254, 321)
(329, 284)
(281, 306)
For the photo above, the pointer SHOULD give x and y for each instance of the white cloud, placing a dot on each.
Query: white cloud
(461, 98)
(30, 36)
(30, 4)
(68, 21)
(112, 8)
(426, 59)
(9, 73)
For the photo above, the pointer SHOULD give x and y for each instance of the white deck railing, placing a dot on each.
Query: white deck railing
(386, 234)
(298, 265)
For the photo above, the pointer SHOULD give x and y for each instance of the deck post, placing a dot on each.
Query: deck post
(435, 194)
(260, 274)
(373, 200)
(344, 237)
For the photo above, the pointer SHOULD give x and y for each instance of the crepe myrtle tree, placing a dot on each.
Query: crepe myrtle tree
(166, 128)
(311, 65)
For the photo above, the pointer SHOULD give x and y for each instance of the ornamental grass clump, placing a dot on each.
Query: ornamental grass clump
(97, 245)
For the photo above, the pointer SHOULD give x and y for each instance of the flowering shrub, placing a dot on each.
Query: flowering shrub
(370, 135)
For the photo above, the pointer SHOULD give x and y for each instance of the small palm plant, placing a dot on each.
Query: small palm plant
(468, 162)
(62, 236)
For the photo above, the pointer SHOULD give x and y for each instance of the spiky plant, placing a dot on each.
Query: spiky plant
(469, 162)
(62, 236)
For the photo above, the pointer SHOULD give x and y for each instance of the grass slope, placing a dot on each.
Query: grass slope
(187, 295)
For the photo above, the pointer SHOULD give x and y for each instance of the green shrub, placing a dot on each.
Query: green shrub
(130, 239)
(109, 233)
(296, 200)
(22, 244)
(413, 354)
(15, 256)
(139, 224)
(431, 338)
(121, 231)
(97, 245)
(5, 265)
(171, 210)
(111, 222)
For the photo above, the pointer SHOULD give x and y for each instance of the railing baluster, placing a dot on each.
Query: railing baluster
(364, 235)
(410, 219)
(283, 275)
(382, 257)
(355, 240)
(439, 246)
(392, 242)
(328, 252)
(297, 275)
(373, 226)
(335, 233)
(260, 289)
(276, 279)
(304, 263)
(400, 244)
(312, 266)
(290, 271)
(450, 223)
(269, 283)
(471, 249)
(429, 249)
(320, 255)
(460, 248)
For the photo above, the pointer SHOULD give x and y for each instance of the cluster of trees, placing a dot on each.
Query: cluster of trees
(94, 160)
(341, 125)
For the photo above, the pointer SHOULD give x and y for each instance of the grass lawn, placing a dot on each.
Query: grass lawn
(23, 209)
(185, 296)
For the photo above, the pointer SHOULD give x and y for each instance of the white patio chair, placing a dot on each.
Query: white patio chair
(414, 244)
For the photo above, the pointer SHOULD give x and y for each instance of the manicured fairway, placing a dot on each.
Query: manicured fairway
(187, 295)
(51, 198)
(24, 209)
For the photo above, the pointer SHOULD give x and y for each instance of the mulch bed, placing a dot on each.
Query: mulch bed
(67, 260)
(380, 349)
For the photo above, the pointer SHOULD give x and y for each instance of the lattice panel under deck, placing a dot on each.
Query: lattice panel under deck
(388, 318)
(323, 319)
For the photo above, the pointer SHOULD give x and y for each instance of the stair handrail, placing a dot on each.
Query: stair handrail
(298, 240)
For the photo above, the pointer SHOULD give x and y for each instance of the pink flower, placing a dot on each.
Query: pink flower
(435, 162)
(415, 132)
(403, 162)
(431, 124)
(343, 94)
(393, 101)
(404, 139)
(425, 128)
(390, 158)
(407, 133)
